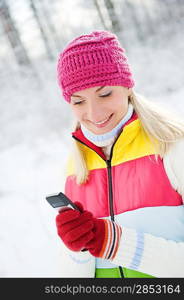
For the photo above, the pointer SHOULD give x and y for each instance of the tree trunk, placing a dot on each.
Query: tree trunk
(116, 27)
(98, 8)
(48, 17)
(13, 35)
(43, 34)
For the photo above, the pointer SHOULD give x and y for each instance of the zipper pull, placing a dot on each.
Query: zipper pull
(108, 162)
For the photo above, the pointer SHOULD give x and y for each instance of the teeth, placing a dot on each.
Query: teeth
(102, 121)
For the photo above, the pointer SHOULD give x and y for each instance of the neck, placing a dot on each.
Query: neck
(107, 138)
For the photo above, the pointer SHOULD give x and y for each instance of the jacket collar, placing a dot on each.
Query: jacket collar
(79, 136)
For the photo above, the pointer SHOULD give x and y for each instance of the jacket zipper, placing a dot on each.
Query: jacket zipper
(110, 189)
(109, 168)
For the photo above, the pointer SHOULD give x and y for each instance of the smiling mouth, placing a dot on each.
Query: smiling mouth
(104, 122)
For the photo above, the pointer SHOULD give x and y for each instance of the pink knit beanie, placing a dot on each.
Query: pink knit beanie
(95, 59)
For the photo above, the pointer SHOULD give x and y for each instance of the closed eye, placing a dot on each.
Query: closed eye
(75, 103)
(101, 96)
(106, 95)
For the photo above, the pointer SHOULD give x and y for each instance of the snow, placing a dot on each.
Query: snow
(33, 148)
(28, 234)
(34, 144)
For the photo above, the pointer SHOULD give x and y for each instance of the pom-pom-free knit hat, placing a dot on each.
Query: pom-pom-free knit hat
(95, 59)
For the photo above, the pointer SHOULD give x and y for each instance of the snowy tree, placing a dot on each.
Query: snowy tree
(12, 34)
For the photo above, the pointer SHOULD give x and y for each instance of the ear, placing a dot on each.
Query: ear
(129, 90)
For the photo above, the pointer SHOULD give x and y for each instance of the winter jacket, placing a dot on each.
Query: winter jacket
(141, 194)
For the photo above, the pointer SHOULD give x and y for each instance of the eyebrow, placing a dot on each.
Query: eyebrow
(101, 87)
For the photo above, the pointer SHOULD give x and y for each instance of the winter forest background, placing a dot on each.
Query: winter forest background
(35, 121)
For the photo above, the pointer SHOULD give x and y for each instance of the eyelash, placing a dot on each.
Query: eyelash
(106, 95)
(103, 96)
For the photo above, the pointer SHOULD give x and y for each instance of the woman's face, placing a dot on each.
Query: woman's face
(99, 108)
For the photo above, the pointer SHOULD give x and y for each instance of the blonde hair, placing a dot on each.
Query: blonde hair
(162, 127)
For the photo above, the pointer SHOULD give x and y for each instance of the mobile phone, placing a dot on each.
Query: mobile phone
(60, 201)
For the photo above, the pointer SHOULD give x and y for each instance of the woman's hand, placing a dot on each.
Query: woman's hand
(80, 230)
(75, 228)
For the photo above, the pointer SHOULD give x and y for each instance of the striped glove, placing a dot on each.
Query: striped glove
(106, 239)
(80, 230)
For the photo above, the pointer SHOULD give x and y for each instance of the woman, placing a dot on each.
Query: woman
(126, 173)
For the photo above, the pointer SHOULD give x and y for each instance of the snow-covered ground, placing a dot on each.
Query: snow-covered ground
(34, 143)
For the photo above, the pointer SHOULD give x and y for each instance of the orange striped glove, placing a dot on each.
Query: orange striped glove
(106, 239)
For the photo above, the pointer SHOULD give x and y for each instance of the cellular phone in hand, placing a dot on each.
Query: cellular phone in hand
(60, 201)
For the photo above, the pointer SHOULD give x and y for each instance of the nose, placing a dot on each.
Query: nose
(94, 113)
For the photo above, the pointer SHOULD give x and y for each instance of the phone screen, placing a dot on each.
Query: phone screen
(59, 201)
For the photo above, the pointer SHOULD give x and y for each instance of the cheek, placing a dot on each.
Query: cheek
(77, 113)
(117, 105)
(120, 106)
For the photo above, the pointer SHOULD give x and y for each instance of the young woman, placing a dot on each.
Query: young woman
(126, 173)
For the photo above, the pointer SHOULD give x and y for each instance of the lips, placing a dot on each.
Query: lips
(103, 123)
